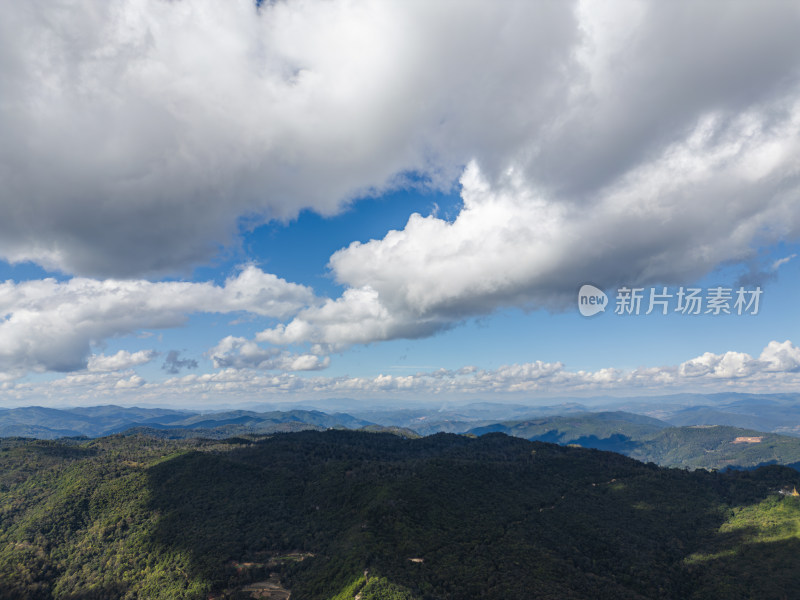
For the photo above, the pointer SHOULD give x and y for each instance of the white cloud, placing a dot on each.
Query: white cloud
(239, 353)
(668, 221)
(776, 370)
(719, 371)
(50, 325)
(87, 384)
(192, 115)
(139, 135)
(782, 261)
(725, 366)
(781, 357)
(120, 361)
(777, 357)
(357, 317)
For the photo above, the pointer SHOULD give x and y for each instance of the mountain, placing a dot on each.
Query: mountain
(773, 413)
(617, 431)
(704, 415)
(96, 421)
(692, 444)
(650, 440)
(761, 415)
(717, 447)
(776, 413)
(460, 418)
(344, 515)
(51, 423)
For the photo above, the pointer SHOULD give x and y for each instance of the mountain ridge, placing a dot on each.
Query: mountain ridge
(494, 517)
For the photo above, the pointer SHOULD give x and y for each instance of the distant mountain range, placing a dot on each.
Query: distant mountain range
(98, 421)
(650, 440)
(690, 431)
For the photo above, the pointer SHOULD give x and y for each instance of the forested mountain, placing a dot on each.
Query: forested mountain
(617, 431)
(96, 421)
(773, 413)
(635, 435)
(51, 423)
(650, 440)
(717, 447)
(337, 514)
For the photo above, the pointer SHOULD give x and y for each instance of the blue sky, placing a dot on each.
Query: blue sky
(393, 201)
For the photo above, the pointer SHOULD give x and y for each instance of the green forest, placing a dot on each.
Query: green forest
(339, 514)
(649, 440)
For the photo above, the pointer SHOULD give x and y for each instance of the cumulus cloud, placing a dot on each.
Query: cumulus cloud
(780, 357)
(112, 382)
(669, 221)
(777, 357)
(240, 353)
(357, 317)
(777, 369)
(725, 366)
(589, 145)
(120, 361)
(193, 115)
(51, 325)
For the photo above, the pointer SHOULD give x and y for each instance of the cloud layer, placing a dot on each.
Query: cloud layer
(139, 134)
(51, 326)
(121, 361)
(190, 116)
(141, 137)
(777, 369)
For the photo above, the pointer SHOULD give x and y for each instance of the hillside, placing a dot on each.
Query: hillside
(635, 435)
(616, 431)
(489, 517)
(651, 440)
(717, 447)
(97, 421)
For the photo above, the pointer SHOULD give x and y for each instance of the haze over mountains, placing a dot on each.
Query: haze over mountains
(778, 413)
(694, 431)
(97, 421)
(280, 499)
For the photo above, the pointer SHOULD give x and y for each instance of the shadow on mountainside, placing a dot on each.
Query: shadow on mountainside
(493, 517)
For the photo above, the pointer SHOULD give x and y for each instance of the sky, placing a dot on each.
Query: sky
(211, 203)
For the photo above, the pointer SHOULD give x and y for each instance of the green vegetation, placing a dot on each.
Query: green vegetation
(615, 431)
(637, 436)
(370, 587)
(755, 549)
(649, 440)
(717, 447)
(340, 514)
(97, 421)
